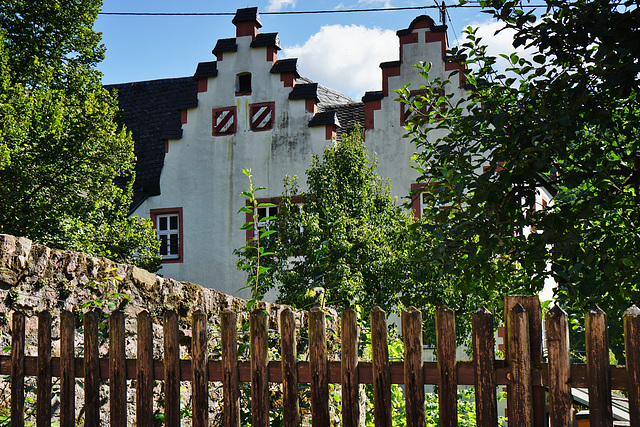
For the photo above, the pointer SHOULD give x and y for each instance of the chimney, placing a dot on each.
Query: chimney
(247, 22)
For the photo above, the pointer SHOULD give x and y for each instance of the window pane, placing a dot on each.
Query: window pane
(162, 223)
(173, 244)
(173, 222)
(163, 244)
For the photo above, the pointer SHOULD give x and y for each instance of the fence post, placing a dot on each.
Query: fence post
(43, 404)
(447, 374)
(171, 370)
(144, 371)
(381, 374)
(521, 410)
(484, 369)
(318, 364)
(259, 373)
(413, 373)
(531, 304)
(67, 370)
(230, 374)
(17, 369)
(91, 370)
(349, 370)
(290, 406)
(200, 377)
(560, 411)
(598, 375)
(117, 371)
(632, 346)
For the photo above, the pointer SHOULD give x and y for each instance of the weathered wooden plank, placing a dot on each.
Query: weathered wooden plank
(230, 374)
(144, 371)
(91, 370)
(171, 370)
(632, 346)
(483, 343)
(597, 343)
(447, 374)
(67, 370)
(380, 368)
(200, 380)
(259, 374)
(117, 371)
(521, 409)
(349, 359)
(531, 304)
(413, 373)
(43, 404)
(559, 372)
(319, 368)
(17, 369)
(289, 369)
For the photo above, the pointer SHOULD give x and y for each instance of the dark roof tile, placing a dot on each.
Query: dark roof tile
(152, 113)
(304, 91)
(289, 65)
(372, 96)
(432, 26)
(266, 39)
(249, 14)
(206, 69)
(390, 64)
(324, 118)
(225, 45)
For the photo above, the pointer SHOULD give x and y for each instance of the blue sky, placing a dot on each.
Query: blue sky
(338, 50)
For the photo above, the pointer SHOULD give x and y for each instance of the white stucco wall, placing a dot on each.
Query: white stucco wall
(202, 173)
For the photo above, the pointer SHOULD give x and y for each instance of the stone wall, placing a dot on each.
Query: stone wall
(34, 277)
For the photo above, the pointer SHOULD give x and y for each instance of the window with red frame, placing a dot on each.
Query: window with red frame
(168, 224)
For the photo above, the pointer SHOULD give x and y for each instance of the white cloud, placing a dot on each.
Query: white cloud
(378, 3)
(346, 58)
(277, 5)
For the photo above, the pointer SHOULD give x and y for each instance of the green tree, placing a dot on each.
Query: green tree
(66, 167)
(565, 122)
(350, 236)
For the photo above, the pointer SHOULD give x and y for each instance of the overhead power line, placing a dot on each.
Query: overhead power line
(300, 12)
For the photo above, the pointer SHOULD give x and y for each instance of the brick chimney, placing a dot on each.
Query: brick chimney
(247, 22)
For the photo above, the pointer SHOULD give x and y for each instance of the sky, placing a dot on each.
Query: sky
(338, 50)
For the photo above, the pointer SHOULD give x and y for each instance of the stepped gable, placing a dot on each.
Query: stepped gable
(152, 114)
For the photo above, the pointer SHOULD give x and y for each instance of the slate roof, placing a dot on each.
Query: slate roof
(225, 45)
(206, 69)
(390, 64)
(324, 118)
(249, 14)
(266, 39)
(152, 113)
(304, 91)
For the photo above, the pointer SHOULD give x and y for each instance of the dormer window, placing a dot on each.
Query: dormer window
(243, 84)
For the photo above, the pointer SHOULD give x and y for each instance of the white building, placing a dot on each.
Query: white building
(248, 109)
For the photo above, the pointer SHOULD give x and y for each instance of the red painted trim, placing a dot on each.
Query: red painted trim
(202, 84)
(247, 28)
(183, 117)
(253, 107)
(234, 117)
(451, 66)
(310, 105)
(289, 79)
(219, 56)
(272, 54)
(407, 39)
(386, 73)
(369, 108)
(153, 213)
(243, 93)
(423, 23)
(330, 132)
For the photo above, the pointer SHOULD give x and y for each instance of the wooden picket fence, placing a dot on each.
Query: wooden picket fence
(522, 371)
